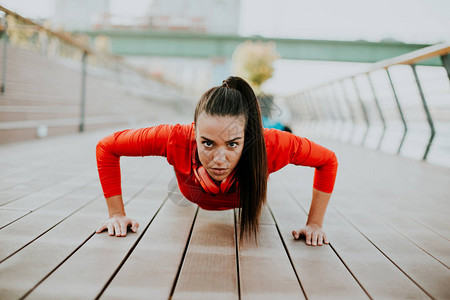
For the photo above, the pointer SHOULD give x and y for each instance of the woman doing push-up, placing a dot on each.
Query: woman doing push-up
(222, 161)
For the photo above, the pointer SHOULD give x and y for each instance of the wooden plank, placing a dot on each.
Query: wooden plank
(423, 237)
(24, 270)
(132, 171)
(32, 186)
(40, 198)
(379, 277)
(25, 230)
(151, 269)
(209, 269)
(265, 218)
(9, 215)
(427, 203)
(84, 274)
(265, 271)
(436, 224)
(10, 172)
(428, 273)
(321, 272)
(360, 256)
(17, 179)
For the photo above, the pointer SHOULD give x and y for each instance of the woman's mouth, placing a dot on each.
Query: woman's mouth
(219, 171)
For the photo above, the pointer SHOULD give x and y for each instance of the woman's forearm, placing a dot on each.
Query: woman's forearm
(318, 207)
(115, 205)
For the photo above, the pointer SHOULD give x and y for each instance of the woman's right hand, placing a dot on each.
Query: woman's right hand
(118, 224)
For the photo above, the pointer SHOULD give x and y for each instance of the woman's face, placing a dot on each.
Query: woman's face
(220, 140)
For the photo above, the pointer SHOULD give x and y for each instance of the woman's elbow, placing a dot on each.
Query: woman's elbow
(334, 160)
(103, 146)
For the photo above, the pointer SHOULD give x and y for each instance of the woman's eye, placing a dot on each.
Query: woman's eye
(233, 145)
(207, 144)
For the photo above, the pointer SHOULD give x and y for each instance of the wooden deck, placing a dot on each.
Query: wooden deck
(387, 223)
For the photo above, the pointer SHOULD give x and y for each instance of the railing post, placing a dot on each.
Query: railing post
(330, 115)
(352, 113)
(311, 112)
(337, 100)
(312, 107)
(83, 91)
(5, 47)
(327, 104)
(363, 107)
(446, 63)
(293, 103)
(298, 106)
(399, 110)
(427, 111)
(334, 101)
(319, 115)
(324, 113)
(380, 112)
(300, 109)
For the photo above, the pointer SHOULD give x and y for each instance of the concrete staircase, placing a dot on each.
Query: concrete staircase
(45, 93)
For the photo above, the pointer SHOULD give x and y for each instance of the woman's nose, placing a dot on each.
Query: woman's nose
(219, 156)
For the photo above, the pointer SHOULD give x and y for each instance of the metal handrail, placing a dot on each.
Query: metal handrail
(414, 57)
(411, 59)
(67, 38)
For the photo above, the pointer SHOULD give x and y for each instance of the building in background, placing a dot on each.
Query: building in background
(221, 17)
(81, 14)
(208, 16)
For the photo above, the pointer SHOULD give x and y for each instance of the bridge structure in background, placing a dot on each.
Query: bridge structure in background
(196, 45)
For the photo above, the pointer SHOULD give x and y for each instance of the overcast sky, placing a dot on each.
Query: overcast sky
(420, 21)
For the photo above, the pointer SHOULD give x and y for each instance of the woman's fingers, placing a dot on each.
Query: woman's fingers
(325, 239)
(320, 240)
(308, 238)
(101, 228)
(110, 229)
(118, 226)
(117, 229)
(134, 225)
(298, 233)
(123, 228)
(314, 238)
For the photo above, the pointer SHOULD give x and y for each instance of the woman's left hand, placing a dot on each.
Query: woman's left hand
(313, 233)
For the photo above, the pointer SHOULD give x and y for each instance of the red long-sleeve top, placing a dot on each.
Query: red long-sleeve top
(176, 143)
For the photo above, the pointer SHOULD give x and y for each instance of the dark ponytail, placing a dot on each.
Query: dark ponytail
(233, 98)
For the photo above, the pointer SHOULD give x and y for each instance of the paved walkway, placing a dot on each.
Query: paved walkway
(387, 222)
